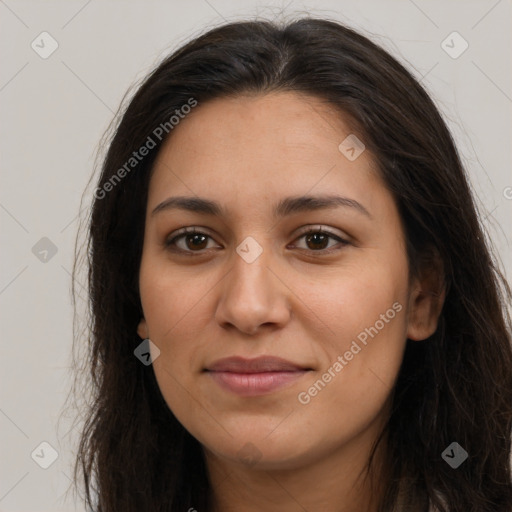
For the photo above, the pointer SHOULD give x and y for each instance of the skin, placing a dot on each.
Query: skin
(295, 301)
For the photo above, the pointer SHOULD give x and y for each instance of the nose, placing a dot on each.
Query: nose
(253, 296)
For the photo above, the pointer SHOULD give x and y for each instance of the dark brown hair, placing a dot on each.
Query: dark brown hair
(456, 386)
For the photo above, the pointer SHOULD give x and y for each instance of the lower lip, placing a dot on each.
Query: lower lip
(254, 384)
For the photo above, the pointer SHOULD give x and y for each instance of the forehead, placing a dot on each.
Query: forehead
(257, 147)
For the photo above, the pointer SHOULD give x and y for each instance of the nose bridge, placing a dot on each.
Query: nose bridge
(250, 274)
(250, 263)
(252, 295)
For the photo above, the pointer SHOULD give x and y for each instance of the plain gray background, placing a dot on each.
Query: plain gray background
(54, 111)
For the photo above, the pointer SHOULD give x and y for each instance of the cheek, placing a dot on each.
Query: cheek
(359, 328)
(171, 311)
(169, 296)
(168, 306)
(347, 300)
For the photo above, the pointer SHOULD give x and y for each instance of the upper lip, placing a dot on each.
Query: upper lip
(257, 365)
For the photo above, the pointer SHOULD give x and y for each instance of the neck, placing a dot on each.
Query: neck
(336, 481)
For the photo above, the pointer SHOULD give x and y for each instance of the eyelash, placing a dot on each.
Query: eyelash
(170, 243)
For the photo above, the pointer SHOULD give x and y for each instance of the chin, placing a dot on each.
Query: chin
(262, 453)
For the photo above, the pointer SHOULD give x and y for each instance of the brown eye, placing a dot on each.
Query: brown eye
(196, 241)
(188, 241)
(317, 240)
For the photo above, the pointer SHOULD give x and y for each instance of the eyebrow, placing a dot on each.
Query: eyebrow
(283, 208)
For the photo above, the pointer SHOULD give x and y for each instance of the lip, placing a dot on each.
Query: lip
(257, 365)
(253, 377)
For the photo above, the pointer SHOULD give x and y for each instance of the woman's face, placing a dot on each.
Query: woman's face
(336, 306)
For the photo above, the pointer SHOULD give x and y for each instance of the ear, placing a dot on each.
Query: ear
(426, 300)
(142, 329)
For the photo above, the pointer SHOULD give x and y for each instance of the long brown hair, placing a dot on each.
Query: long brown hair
(456, 386)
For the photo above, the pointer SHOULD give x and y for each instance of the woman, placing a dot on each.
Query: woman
(293, 303)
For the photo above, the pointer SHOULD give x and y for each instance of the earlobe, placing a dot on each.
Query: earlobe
(142, 329)
(426, 301)
(424, 311)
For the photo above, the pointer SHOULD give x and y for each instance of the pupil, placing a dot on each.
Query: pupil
(318, 238)
(195, 238)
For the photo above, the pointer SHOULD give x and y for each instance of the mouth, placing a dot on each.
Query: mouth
(254, 377)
